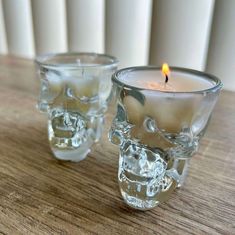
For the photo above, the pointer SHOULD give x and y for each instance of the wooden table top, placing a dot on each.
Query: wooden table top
(41, 195)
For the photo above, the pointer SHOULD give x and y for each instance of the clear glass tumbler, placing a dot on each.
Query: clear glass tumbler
(75, 91)
(158, 131)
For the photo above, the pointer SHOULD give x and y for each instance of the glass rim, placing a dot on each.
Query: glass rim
(218, 84)
(42, 60)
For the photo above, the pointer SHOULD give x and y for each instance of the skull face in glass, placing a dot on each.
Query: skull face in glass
(157, 132)
(75, 91)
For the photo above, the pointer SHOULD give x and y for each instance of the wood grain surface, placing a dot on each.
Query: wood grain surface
(41, 195)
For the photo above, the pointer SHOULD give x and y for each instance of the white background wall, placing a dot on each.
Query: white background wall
(3, 39)
(18, 27)
(86, 25)
(198, 34)
(50, 30)
(221, 56)
(183, 36)
(128, 25)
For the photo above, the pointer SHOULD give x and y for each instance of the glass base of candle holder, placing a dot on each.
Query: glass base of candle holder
(148, 176)
(74, 155)
(144, 177)
(139, 204)
(71, 135)
(182, 166)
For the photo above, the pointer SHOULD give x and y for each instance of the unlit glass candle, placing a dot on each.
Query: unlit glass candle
(75, 91)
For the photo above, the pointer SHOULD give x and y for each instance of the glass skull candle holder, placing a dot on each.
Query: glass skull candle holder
(157, 127)
(75, 91)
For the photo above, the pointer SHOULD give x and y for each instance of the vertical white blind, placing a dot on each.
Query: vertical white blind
(197, 34)
(86, 25)
(221, 56)
(3, 39)
(128, 24)
(49, 17)
(18, 21)
(180, 32)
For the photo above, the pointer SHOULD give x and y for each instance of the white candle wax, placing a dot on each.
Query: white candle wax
(172, 105)
(178, 81)
(74, 89)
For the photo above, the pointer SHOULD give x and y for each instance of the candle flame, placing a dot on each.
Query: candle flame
(165, 69)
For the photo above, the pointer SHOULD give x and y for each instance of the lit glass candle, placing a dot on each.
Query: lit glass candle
(161, 116)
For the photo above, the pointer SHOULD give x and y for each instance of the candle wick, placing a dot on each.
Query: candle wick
(166, 80)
